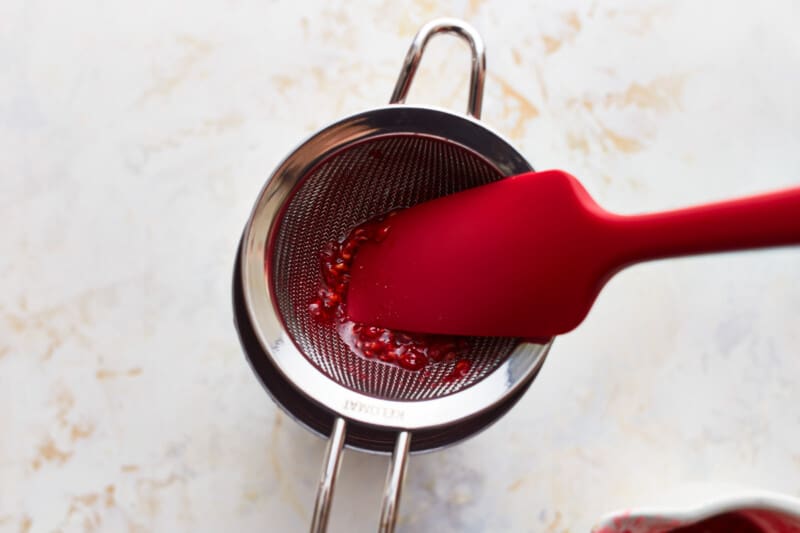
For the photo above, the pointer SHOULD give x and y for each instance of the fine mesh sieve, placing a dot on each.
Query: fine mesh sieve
(358, 183)
(362, 166)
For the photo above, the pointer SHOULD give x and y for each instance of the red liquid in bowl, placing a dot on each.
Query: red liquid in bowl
(725, 523)
(411, 351)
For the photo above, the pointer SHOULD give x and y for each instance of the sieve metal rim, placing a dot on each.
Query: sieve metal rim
(430, 121)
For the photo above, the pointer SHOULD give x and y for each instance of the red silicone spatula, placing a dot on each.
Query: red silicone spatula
(526, 256)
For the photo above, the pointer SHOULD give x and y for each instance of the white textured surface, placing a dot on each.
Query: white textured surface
(134, 137)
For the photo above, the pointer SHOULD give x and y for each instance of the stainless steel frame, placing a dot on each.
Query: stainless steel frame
(354, 419)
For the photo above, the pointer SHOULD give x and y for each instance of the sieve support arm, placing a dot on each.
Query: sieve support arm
(330, 470)
(394, 483)
(414, 55)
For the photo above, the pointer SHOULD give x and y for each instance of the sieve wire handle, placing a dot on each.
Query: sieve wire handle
(394, 483)
(330, 469)
(461, 29)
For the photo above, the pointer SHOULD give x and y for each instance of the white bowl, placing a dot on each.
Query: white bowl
(693, 503)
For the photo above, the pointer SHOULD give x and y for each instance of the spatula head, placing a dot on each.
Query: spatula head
(521, 257)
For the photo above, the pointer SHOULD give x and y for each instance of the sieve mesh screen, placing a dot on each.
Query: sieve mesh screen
(354, 185)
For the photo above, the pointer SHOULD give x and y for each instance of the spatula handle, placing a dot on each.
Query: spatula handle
(771, 219)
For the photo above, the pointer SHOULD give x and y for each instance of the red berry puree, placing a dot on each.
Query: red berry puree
(411, 351)
(725, 523)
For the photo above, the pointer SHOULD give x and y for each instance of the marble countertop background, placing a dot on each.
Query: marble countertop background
(134, 137)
